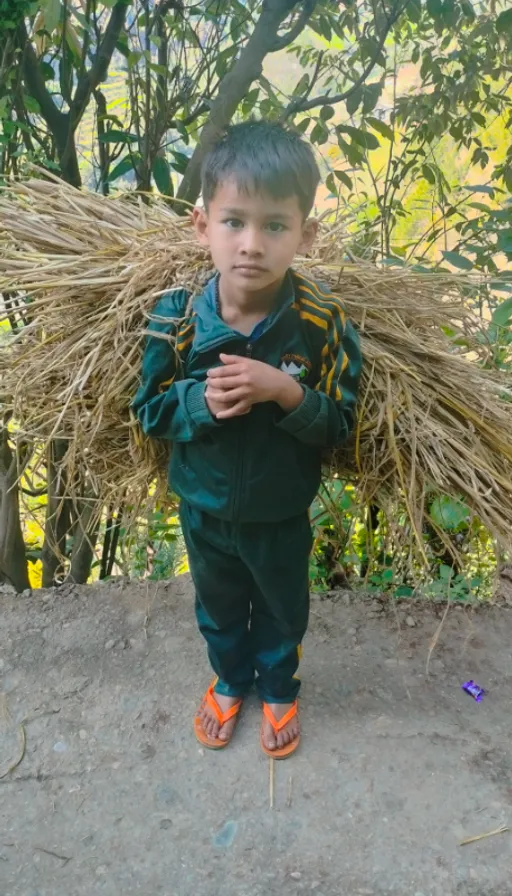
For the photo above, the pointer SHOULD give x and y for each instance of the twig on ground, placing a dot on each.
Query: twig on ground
(22, 738)
(289, 795)
(437, 633)
(501, 830)
(49, 852)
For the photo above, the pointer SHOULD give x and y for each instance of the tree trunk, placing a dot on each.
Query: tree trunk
(233, 88)
(13, 561)
(111, 540)
(57, 515)
(85, 533)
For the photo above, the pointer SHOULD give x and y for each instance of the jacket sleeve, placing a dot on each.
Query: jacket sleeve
(326, 416)
(168, 405)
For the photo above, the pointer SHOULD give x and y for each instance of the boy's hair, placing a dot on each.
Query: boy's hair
(263, 156)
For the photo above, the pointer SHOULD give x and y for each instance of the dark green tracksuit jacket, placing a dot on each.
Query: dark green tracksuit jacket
(246, 484)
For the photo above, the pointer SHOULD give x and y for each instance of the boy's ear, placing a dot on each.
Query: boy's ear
(200, 222)
(309, 232)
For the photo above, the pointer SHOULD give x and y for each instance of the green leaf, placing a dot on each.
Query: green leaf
(113, 136)
(162, 175)
(446, 572)
(122, 167)
(52, 14)
(480, 206)
(449, 513)
(501, 285)
(478, 118)
(404, 591)
(344, 178)
(331, 186)
(502, 315)
(505, 240)
(223, 60)
(182, 131)
(458, 261)
(435, 8)
(180, 161)
(303, 125)
(32, 105)
(413, 10)
(353, 101)
(301, 86)
(467, 10)
(481, 188)
(360, 136)
(319, 134)
(381, 127)
(371, 96)
(504, 22)
(326, 112)
(133, 58)
(428, 173)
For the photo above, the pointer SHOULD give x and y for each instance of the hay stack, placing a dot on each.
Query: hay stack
(431, 419)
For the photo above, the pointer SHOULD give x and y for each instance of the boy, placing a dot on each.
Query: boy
(263, 378)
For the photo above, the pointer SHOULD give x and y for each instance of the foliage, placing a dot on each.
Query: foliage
(408, 104)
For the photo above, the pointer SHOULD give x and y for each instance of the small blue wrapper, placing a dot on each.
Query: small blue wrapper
(474, 690)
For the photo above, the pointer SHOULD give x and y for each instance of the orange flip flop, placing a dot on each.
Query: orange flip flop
(214, 743)
(278, 725)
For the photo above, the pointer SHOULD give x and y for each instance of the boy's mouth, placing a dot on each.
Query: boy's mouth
(250, 269)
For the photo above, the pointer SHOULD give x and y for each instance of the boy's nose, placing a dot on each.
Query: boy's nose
(252, 243)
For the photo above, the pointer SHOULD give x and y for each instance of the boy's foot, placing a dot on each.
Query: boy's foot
(277, 737)
(216, 718)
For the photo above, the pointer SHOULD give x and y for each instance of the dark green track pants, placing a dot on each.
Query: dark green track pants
(252, 599)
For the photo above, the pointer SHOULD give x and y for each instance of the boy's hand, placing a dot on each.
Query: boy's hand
(242, 382)
(218, 407)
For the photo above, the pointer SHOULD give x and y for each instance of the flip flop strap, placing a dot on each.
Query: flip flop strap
(278, 724)
(222, 717)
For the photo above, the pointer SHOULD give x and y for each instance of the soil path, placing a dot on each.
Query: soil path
(114, 796)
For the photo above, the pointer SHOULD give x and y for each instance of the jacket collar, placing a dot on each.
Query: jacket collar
(211, 329)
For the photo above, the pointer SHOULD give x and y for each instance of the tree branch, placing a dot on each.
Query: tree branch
(54, 118)
(161, 10)
(233, 88)
(286, 39)
(90, 80)
(303, 105)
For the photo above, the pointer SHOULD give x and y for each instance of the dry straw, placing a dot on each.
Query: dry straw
(432, 420)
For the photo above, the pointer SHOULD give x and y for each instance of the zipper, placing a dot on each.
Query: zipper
(208, 346)
(241, 450)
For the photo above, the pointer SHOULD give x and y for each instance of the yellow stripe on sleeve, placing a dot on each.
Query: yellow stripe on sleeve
(315, 320)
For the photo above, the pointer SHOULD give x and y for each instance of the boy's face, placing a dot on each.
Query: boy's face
(252, 237)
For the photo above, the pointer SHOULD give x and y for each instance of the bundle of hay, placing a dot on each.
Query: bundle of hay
(432, 420)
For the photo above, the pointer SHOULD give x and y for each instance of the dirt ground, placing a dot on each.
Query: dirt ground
(114, 795)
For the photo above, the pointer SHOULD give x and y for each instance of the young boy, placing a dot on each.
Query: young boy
(263, 377)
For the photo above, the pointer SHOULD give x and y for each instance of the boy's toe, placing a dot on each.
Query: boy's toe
(268, 736)
(226, 730)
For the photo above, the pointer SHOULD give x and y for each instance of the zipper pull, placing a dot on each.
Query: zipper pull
(248, 350)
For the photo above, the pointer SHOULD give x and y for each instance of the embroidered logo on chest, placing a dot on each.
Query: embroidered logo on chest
(295, 366)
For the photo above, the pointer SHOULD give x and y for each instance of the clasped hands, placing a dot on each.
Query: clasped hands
(231, 390)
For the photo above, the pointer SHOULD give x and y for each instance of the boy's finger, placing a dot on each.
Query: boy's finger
(236, 411)
(225, 382)
(230, 359)
(227, 396)
(218, 373)
(216, 395)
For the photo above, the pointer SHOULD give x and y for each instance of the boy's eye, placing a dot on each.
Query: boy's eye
(275, 227)
(234, 223)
